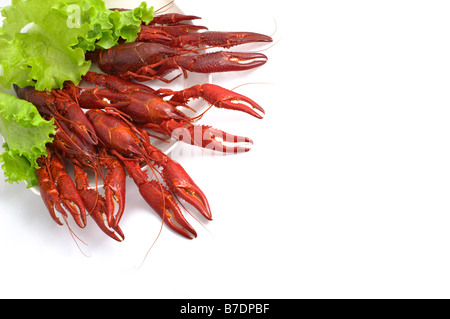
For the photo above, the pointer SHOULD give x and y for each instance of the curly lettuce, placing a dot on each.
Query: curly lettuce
(25, 133)
(43, 42)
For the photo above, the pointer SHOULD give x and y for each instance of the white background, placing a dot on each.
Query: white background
(346, 193)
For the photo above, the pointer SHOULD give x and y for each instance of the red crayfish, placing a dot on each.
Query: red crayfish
(165, 45)
(112, 138)
(120, 145)
(147, 109)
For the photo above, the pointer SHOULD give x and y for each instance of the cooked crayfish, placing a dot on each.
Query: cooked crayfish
(76, 142)
(111, 139)
(58, 190)
(120, 146)
(131, 145)
(162, 48)
(144, 61)
(147, 109)
(168, 29)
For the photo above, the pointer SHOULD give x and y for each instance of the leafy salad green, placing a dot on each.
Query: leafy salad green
(43, 44)
(58, 34)
(25, 133)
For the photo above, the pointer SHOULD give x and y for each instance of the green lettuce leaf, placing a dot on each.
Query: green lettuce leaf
(43, 42)
(107, 27)
(25, 133)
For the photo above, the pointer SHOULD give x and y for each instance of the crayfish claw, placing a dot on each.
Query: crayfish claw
(220, 61)
(96, 205)
(230, 144)
(181, 184)
(76, 208)
(49, 194)
(171, 18)
(210, 138)
(157, 197)
(115, 188)
(99, 214)
(220, 39)
(243, 60)
(220, 98)
(236, 38)
(68, 193)
(175, 219)
(242, 104)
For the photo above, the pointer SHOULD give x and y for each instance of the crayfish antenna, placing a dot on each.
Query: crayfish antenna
(75, 237)
(163, 9)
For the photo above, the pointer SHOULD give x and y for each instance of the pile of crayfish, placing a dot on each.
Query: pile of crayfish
(112, 138)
